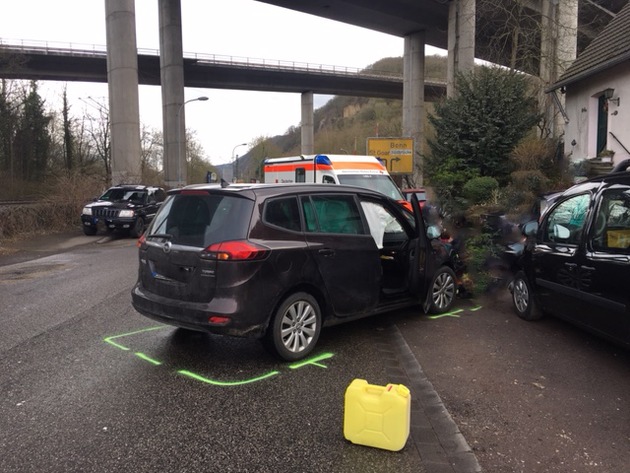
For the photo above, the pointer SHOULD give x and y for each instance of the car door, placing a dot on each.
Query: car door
(560, 271)
(402, 244)
(346, 255)
(605, 303)
(425, 259)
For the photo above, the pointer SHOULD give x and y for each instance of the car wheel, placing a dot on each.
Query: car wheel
(138, 228)
(91, 230)
(443, 290)
(523, 298)
(295, 327)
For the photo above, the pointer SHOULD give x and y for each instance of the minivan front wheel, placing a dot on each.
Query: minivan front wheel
(442, 291)
(523, 298)
(295, 327)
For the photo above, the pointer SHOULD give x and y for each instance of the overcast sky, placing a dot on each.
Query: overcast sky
(242, 28)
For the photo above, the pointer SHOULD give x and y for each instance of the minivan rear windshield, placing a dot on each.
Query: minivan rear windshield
(377, 182)
(200, 220)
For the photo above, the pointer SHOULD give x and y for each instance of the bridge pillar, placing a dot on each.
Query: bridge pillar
(307, 127)
(558, 49)
(122, 79)
(413, 98)
(172, 80)
(461, 41)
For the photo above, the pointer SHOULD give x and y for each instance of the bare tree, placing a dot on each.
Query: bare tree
(96, 128)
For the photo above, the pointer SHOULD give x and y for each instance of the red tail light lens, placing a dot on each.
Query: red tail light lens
(235, 251)
(141, 240)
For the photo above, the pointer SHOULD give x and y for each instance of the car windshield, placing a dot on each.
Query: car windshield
(378, 182)
(124, 195)
(202, 219)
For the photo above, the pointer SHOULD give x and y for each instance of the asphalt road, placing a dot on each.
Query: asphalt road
(528, 396)
(90, 385)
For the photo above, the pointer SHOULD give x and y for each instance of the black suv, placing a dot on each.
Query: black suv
(124, 207)
(576, 262)
(279, 261)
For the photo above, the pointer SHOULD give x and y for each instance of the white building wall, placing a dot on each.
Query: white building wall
(580, 139)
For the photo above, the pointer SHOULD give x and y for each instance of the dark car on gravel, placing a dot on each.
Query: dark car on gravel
(576, 261)
(280, 261)
(125, 207)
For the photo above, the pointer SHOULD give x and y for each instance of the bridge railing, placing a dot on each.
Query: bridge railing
(82, 49)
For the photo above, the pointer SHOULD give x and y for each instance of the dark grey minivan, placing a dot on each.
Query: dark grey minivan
(279, 261)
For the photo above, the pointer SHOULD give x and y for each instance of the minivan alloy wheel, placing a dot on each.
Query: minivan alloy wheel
(520, 295)
(295, 327)
(443, 290)
(523, 298)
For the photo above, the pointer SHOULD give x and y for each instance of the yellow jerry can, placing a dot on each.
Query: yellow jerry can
(377, 416)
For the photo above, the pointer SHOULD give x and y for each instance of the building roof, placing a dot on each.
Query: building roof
(609, 48)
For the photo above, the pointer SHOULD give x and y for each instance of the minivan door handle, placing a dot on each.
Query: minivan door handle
(326, 252)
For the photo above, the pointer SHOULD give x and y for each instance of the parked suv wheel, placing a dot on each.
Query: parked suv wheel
(138, 228)
(89, 230)
(443, 290)
(523, 298)
(295, 327)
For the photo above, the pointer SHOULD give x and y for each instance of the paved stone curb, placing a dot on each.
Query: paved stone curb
(440, 444)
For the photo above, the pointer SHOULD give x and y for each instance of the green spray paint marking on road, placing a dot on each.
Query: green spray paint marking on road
(312, 361)
(452, 313)
(227, 383)
(315, 361)
(117, 345)
(146, 358)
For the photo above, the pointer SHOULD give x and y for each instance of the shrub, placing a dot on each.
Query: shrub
(479, 190)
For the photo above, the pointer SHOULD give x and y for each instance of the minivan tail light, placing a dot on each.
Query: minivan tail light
(141, 240)
(235, 251)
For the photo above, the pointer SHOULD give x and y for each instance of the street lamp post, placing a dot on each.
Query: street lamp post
(235, 163)
(179, 137)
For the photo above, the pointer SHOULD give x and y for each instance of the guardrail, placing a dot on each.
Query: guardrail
(82, 49)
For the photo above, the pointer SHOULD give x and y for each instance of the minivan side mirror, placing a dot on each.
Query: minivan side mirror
(433, 232)
(530, 228)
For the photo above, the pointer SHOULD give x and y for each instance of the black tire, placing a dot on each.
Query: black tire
(91, 230)
(523, 298)
(442, 291)
(295, 327)
(138, 228)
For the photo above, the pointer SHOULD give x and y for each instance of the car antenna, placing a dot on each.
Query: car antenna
(224, 183)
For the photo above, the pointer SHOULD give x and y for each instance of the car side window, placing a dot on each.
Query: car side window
(384, 226)
(332, 214)
(300, 175)
(565, 223)
(160, 195)
(611, 228)
(283, 213)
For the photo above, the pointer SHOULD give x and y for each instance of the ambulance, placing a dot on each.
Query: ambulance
(361, 171)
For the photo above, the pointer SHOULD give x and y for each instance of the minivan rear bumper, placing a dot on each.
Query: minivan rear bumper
(195, 315)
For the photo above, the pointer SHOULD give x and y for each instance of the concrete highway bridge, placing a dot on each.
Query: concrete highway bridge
(467, 29)
(38, 60)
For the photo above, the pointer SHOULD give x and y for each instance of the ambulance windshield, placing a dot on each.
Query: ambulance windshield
(378, 182)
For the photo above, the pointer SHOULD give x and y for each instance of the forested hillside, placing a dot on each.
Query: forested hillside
(343, 125)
